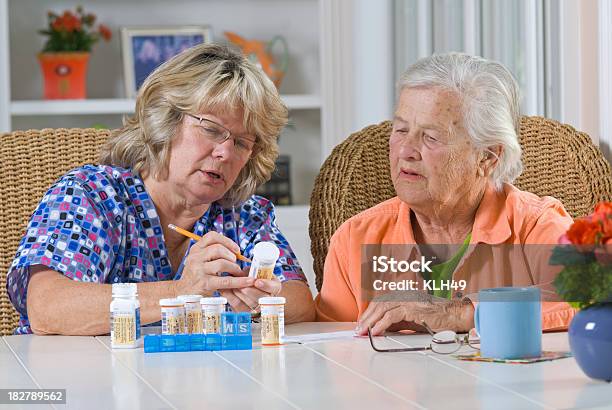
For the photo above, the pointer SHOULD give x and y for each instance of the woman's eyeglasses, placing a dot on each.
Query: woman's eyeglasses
(218, 134)
(444, 342)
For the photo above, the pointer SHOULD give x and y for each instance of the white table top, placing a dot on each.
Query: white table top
(341, 373)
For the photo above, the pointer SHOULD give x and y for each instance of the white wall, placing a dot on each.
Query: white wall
(373, 76)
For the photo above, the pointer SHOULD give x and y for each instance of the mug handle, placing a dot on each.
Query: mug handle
(477, 318)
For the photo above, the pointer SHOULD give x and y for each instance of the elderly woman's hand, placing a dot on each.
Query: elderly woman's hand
(440, 315)
(247, 299)
(213, 254)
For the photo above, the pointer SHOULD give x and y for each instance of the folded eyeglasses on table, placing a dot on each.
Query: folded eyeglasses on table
(444, 342)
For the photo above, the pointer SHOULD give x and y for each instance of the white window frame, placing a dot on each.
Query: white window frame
(5, 83)
(535, 88)
(605, 78)
(534, 91)
(472, 27)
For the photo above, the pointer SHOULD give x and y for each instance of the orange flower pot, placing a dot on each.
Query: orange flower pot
(65, 74)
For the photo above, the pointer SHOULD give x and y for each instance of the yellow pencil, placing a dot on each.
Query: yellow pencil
(197, 238)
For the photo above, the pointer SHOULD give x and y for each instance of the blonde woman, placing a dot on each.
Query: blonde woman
(203, 137)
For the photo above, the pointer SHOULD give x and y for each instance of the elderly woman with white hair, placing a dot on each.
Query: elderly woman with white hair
(454, 153)
(203, 137)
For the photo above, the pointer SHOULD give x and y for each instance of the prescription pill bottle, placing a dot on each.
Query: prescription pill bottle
(211, 311)
(265, 255)
(124, 316)
(193, 313)
(173, 316)
(272, 320)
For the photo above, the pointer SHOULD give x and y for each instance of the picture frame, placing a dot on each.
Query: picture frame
(146, 48)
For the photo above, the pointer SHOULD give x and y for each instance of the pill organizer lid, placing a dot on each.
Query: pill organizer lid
(124, 289)
(190, 298)
(220, 300)
(272, 300)
(170, 302)
(266, 252)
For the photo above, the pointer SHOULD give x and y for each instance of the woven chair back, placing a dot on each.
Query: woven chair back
(30, 161)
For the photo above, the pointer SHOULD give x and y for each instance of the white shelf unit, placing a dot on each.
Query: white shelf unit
(26, 108)
(122, 105)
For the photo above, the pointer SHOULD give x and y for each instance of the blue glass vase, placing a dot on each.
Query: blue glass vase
(590, 337)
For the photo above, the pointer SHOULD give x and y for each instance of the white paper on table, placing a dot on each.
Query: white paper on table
(320, 337)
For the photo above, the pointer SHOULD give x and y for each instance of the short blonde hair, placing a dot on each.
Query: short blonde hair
(490, 101)
(204, 78)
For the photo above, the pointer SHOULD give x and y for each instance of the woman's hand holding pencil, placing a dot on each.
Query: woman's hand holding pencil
(197, 238)
(212, 254)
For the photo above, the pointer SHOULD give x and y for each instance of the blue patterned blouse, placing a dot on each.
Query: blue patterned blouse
(99, 224)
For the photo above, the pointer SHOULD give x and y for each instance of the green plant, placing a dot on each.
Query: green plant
(585, 251)
(73, 31)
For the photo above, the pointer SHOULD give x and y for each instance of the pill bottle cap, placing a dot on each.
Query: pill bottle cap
(171, 302)
(124, 289)
(272, 300)
(189, 298)
(266, 252)
(220, 300)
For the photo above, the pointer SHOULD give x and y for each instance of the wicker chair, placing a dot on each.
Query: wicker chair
(558, 161)
(30, 162)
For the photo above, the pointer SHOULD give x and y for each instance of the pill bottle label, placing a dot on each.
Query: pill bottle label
(182, 321)
(138, 323)
(173, 320)
(261, 270)
(194, 318)
(123, 329)
(212, 321)
(265, 272)
(272, 324)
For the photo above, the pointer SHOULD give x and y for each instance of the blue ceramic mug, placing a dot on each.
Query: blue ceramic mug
(509, 322)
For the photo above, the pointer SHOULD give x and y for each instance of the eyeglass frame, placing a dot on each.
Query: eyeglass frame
(228, 134)
(460, 339)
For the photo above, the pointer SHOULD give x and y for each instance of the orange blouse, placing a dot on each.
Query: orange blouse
(506, 217)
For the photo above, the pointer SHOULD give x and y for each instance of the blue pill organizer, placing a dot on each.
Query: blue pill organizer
(235, 335)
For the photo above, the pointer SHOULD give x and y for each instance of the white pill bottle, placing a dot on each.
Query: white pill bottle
(272, 320)
(265, 255)
(125, 316)
(173, 316)
(212, 307)
(193, 313)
